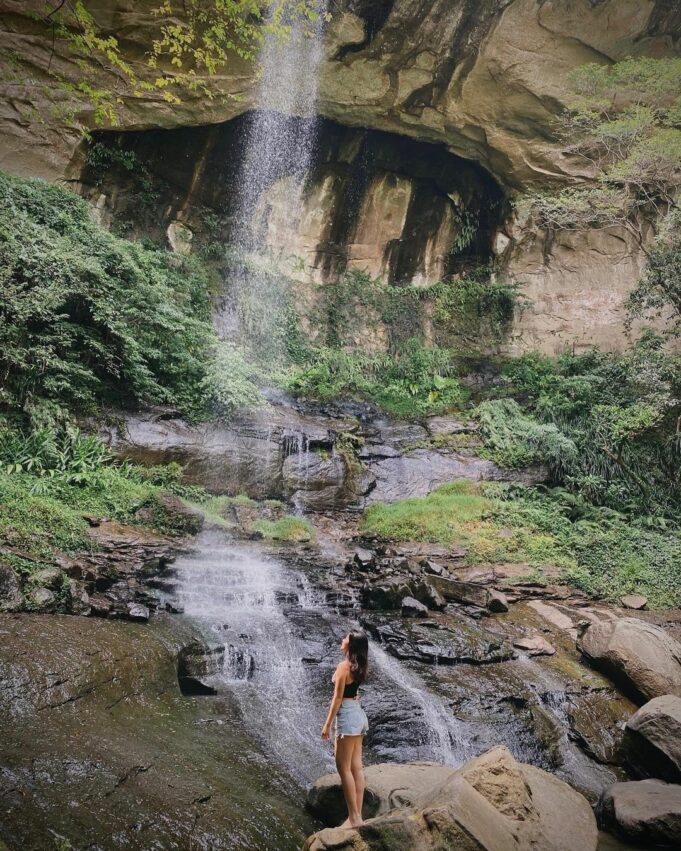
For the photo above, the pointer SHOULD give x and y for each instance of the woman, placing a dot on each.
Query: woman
(351, 722)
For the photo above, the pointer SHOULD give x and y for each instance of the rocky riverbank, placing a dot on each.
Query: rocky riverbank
(318, 457)
(130, 709)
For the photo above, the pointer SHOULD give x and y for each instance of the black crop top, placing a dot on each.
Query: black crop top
(350, 689)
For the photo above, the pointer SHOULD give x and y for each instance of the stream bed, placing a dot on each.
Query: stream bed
(102, 750)
(281, 638)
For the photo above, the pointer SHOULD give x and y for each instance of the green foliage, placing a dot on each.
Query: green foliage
(597, 549)
(228, 382)
(444, 516)
(658, 293)
(49, 480)
(472, 305)
(624, 120)
(64, 452)
(184, 54)
(475, 304)
(515, 440)
(86, 317)
(607, 425)
(414, 380)
(38, 524)
(290, 528)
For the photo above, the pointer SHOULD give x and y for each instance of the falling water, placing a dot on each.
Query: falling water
(281, 646)
(444, 734)
(280, 138)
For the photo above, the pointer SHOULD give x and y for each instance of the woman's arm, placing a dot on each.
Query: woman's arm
(339, 686)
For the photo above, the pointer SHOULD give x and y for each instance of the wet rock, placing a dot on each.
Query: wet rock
(104, 694)
(433, 568)
(652, 739)
(371, 451)
(42, 600)
(100, 605)
(432, 643)
(549, 734)
(634, 601)
(11, 598)
(428, 595)
(387, 594)
(640, 656)
(313, 481)
(420, 471)
(411, 608)
(647, 812)
(470, 593)
(400, 434)
(137, 612)
(78, 599)
(450, 425)
(534, 645)
(491, 804)
(241, 664)
(197, 663)
(596, 720)
(364, 559)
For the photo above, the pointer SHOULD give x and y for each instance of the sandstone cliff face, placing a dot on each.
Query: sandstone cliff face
(482, 78)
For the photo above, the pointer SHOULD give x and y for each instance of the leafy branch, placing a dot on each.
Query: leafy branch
(192, 44)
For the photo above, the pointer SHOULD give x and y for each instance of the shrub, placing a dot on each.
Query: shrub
(228, 383)
(86, 317)
(605, 424)
(414, 381)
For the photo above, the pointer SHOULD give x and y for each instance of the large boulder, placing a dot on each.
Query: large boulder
(437, 644)
(652, 739)
(641, 657)
(647, 812)
(418, 472)
(470, 593)
(388, 786)
(491, 804)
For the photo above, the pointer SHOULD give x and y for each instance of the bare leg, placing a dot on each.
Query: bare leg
(358, 772)
(344, 749)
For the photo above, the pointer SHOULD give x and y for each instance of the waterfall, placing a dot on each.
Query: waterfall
(280, 138)
(281, 647)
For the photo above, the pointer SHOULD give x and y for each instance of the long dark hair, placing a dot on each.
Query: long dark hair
(358, 653)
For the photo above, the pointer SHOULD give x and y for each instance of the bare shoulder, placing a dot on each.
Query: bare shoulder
(342, 670)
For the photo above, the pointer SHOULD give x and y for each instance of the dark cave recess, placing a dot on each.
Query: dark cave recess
(151, 178)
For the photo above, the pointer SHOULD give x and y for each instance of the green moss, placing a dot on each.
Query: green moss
(289, 528)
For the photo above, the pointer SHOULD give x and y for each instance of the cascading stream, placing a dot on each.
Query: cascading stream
(281, 646)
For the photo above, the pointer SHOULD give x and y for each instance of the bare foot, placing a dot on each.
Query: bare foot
(346, 823)
(357, 823)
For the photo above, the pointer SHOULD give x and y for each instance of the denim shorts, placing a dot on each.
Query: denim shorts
(351, 719)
